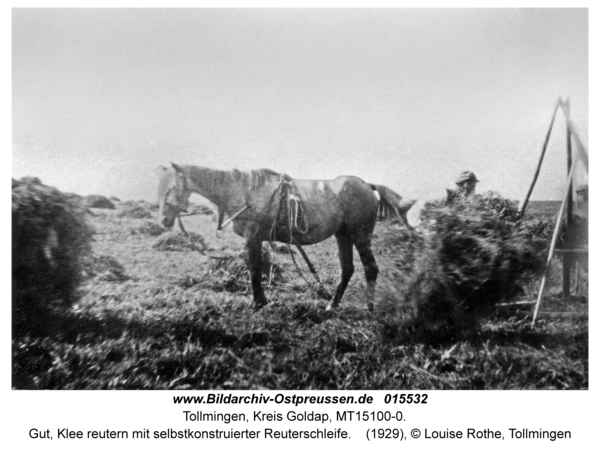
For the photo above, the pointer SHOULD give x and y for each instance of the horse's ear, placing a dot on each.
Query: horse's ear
(160, 170)
(177, 168)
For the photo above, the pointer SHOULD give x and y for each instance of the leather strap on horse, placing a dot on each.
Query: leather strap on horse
(289, 198)
(181, 225)
(232, 218)
(322, 291)
(296, 221)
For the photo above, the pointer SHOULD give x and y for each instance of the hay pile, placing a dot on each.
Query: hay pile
(98, 201)
(30, 180)
(176, 241)
(140, 209)
(543, 228)
(231, 274)
(50, 242)
(473, 256)
(147, 229)
(105, 268)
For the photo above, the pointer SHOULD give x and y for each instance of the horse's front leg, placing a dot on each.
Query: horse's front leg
(254, 264)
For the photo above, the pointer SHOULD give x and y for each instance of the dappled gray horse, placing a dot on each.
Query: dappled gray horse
(266, 205)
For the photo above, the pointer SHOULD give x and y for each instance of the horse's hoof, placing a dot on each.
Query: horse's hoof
(259, 306)
(322, 293)
(332, 307)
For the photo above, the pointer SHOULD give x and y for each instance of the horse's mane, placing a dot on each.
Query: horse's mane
(255, 178)
(213, 179)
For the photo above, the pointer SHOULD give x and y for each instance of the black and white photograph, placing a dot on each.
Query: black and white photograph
(300, 199)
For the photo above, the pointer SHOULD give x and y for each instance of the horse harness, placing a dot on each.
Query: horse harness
(289, 201)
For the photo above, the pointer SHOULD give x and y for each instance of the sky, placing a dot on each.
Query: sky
(407, 98)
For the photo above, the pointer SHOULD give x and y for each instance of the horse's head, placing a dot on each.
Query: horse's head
(173, 196)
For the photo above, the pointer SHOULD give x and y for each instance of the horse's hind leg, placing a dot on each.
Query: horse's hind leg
(363, 246)
(254, 264)
(345, 254)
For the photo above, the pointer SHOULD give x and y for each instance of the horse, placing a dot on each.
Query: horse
(268, 206)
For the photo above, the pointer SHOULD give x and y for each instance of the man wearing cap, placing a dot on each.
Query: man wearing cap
(466, 182)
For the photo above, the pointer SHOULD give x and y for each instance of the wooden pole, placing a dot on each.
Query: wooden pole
(524, 202)
(567, 258)
(582, 151)
(552, 246)
(567, 111)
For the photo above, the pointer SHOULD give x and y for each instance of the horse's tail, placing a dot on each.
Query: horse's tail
(392, 204)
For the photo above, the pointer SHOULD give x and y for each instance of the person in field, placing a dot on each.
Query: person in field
(466, 183)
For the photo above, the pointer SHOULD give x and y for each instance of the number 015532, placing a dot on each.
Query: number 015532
(405, 398)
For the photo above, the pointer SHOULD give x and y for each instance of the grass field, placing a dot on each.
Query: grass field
(152, 319)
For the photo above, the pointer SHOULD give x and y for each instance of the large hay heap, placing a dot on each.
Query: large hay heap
(50, 241)
(474, 255)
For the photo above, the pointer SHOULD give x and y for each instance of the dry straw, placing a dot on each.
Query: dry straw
(474, 255)
(50, 244)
